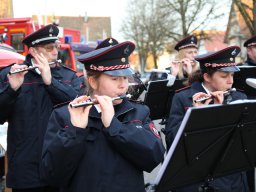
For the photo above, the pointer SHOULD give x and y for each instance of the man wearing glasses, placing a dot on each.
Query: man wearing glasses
(27, 98)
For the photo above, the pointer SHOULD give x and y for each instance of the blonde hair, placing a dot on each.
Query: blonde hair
(182, 73)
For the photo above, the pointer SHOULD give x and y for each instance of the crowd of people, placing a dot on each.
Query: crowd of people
(69, 133)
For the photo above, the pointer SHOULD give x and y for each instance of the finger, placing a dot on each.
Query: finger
(80, 99)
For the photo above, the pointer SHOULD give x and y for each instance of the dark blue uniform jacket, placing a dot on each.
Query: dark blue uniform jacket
(27, 111)
(182, 100)
(99, 159)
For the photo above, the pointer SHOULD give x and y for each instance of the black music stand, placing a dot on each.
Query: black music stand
(212, 141)
(159, 97)
(240, 80)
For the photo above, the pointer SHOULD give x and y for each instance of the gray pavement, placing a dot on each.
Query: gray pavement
(150, 177)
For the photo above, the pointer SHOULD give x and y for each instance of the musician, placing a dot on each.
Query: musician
(26, 102)
(184, 63)
(215, 77)
(107, 146)
(105, 43)
(250, 45)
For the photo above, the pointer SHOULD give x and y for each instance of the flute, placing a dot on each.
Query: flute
(182, 62)
(31, 68)
(94, 101)
(225, 93)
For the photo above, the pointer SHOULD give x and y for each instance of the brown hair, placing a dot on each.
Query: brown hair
(198, 75)
(91, 74)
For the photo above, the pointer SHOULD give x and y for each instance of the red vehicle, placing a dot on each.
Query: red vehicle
(8, 54)
(17, 28)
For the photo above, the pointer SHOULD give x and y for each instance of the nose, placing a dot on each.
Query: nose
(230, 79)
(123, 83)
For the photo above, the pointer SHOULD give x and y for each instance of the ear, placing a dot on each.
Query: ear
(207, 77)
(93, 82)
(32, 50)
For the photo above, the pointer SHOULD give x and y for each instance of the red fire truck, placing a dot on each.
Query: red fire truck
(17, 28)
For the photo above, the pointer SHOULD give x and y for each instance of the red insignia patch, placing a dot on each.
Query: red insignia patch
(154, 130)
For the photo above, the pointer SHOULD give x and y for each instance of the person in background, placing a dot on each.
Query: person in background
(250, 45)
(106, 146)
(26, 102)
(184, 63)
(215, 77)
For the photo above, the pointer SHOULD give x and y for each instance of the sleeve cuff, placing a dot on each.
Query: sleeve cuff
(13, 93)
(114, 128)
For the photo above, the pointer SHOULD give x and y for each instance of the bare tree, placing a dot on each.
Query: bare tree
(192, 15)
(147, 26)
(155, 24)
(248, 13)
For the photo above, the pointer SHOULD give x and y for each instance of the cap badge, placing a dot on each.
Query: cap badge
(233, 52)
(127, 50)
(123, 59)
(231, 59)
(51, 30)
(110, 41)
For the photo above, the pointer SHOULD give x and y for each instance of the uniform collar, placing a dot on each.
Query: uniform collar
(198, 87)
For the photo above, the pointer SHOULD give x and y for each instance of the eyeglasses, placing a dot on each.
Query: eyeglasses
(50, 47)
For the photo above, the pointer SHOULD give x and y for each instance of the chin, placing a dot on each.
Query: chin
(117, 102)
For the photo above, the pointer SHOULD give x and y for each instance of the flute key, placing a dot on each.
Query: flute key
(225, 93)
(22, 70)
(94, 101)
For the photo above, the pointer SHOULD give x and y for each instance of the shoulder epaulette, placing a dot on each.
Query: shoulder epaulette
(183, 88)
(61, 104)
(68, 68)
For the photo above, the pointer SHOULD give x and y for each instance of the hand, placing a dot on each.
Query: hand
(79, 115)
(201, 95)
(187, 65)
(107, 109)
(175, 68)
(218, 97)
(16, 79)
(43, 66)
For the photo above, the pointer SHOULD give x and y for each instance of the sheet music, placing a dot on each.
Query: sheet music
(173, 146)
(243, 101)
(176, 140)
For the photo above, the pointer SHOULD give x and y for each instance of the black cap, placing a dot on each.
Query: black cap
(112, 60)
(107, 42)
(190, 41)
(45, 35)
(222, 60)
(250, 42)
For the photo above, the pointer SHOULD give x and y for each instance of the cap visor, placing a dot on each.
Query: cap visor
(229, 69)
(120, 72)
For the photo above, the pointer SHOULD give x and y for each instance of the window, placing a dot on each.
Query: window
(16, 41)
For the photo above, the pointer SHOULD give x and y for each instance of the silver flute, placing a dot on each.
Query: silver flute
(31, 68)
(94, 101)
(201, 99)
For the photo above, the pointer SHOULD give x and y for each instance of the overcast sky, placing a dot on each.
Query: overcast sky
(113, 8)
